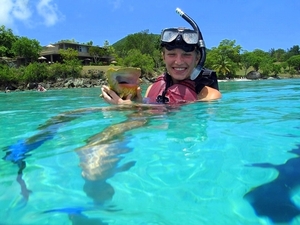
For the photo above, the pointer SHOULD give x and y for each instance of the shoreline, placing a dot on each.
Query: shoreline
(70, 83)
(67, 83)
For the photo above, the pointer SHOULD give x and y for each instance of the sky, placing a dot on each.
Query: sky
(253, 24)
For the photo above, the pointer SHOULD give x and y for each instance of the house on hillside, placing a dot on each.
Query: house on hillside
(50, 53)
(8, 61)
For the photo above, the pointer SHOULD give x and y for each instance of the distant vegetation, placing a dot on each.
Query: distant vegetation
(138, 50)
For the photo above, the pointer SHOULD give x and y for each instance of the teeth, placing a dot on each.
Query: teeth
(179, 69)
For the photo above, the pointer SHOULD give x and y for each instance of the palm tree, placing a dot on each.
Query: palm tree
(223, 65)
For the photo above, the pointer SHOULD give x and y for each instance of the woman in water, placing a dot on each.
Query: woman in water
(181, 55)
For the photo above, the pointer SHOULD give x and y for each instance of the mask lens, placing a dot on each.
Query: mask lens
(169, 35)
(190, 37)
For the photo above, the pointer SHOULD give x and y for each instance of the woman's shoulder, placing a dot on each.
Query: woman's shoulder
(208, 93)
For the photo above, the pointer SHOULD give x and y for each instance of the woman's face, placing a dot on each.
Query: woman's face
(179, 63)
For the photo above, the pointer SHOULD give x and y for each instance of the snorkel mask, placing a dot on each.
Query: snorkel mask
(182, 38)
(186, 40)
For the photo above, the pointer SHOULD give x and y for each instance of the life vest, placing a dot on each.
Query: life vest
(182, 92)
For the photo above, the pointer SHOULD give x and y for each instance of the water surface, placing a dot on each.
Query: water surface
(230, 161)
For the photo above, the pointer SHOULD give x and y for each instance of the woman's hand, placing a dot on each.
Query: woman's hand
(112, 98)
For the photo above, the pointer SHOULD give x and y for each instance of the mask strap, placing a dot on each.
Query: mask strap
(162, 98)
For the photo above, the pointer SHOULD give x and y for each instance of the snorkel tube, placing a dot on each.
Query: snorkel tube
(201, 44)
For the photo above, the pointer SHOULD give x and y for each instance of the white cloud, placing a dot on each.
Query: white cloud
(29, 12)
(5, 9)
(20, 10)
(48, 11)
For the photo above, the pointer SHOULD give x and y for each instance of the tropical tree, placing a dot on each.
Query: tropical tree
(97, 52)
(9, 75)
(284, 66)
(136, 59)
(110, 50)
(106, 44)
(157, 59)
(146, 44)
(266, 68)
(7, 39)
(143, 41)
(276, 69)
(27, 48)
(68, 54)
(90, 43)
(229, 49)
(224, 66)
(294, 62)
(245, 61)
(225, 58)
(259, 57)
(72, 63)
(295, 50)
(35, 72)
(278, 55)
(69, 40)
(292, 72)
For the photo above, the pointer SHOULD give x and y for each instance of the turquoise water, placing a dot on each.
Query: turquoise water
(231, 161)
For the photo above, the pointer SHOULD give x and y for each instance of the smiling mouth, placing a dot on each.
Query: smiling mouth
(179, 69)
